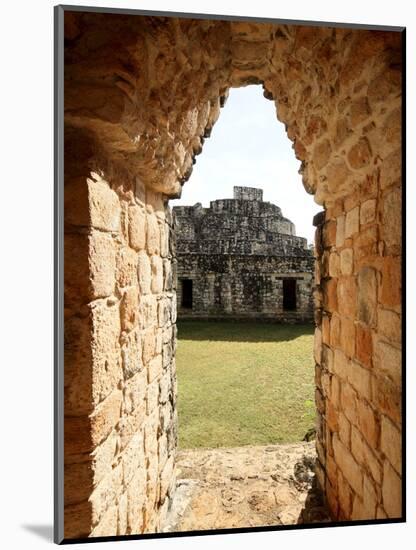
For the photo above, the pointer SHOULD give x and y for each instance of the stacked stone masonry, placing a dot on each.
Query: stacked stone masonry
(141, 95)
(237, 254)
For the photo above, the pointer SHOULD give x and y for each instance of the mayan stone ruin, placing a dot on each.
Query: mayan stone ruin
(240, 258)
(141, 95)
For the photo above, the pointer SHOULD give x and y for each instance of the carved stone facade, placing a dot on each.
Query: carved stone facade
(141, 95)
(240, 258)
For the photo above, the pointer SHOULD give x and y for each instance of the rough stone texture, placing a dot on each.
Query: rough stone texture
(141, 95)
(246, 487)
(237, 253)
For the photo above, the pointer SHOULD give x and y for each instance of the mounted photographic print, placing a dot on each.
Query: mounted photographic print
(228, 297)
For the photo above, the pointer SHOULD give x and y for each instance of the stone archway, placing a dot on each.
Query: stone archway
(141, 95)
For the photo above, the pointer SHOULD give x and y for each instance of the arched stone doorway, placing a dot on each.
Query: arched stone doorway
(141, 95)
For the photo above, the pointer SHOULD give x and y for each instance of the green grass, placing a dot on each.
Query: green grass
(244, 383)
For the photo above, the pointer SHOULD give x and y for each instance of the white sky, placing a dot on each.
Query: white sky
(249, 146)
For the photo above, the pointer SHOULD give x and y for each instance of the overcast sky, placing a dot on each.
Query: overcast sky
(249, 146)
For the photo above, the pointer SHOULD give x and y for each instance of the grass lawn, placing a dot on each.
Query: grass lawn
(244, 383)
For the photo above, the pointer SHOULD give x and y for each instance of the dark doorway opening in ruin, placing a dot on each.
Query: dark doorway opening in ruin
(187, 290)
(289, 294)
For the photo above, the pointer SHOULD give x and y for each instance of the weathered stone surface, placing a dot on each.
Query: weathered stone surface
(392, 492)
(230, 277)
(137, 227)
(391, 443)
(144, 273)
(368, 211)
(104, 205)
(139, 97)
(352, 222)
(367, 296)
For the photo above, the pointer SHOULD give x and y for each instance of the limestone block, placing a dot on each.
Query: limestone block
(134, 393)
(131, 424)
(106, 416)
(137, 227)
(341, 364)
(348, 466)
(367, 296)
(136, 498)
(387, 397)
(344, 429)
(371, 498)
(126, 268)
(133, 458)
(104, 506)
(102, 262)
(317, 346)
(167, 354)
(390, 171)
(348, 336)
(347, 296)
(154, 368)
(151, 428)
(334, 265)
(106, 353)
(152, 396)
(148, 308)
(167, 275)
(352, 220)
(387, 360)
(157, 274)
(144, 272)
(149, 345)
(122, 515)
(104, 205)
(368, 423)
(104, 457)
(164, 239)
(392, 492)
(359, 111)
(330, 295)
(77, 289)
(390, 284)
(391, 443)
(153, 235)
(368, 211)
(340, 233)
(166, 478)
(129, 309)
(164, 388)
(363, 345)
(360, 380)
(131, 353)
(347, 261)
(349, 403)
(365, 456)
(321, 154)
(366, 245)
(344, 495)
(389, 325)
(391, 227)
(360, 154)
(335, 328)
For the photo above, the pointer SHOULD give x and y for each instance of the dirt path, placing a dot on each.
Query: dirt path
(245, 487)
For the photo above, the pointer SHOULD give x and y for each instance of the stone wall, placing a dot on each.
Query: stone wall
(358, 351)
(120, 386)
(245, 287)
(141, 95)
(237, 253)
